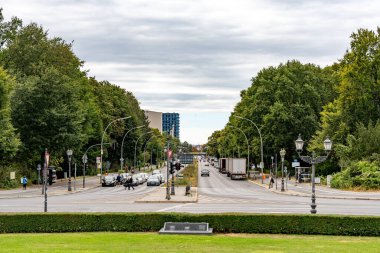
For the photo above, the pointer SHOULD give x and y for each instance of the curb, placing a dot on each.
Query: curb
(16, 195)
(170, 201)
(293, 193)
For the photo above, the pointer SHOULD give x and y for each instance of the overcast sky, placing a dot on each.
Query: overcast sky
(194, 57)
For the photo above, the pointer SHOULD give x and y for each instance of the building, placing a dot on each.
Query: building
(168, 120)
(155, 119)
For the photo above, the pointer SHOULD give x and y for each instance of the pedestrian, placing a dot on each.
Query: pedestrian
(24, 181)
(131, 183)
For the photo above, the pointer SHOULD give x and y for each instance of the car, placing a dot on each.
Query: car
(205, 172)
(109, 180)
(138, 178)
(156, 172)
(153, 181)
(144, 176)
(304, 177)
(207, 164)
(179, 175)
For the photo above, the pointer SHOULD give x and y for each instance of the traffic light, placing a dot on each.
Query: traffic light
(177, 166)
(171, 168)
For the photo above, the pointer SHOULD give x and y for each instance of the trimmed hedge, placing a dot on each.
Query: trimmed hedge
(221, 223)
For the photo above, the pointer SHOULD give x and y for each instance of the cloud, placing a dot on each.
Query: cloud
(196, 55)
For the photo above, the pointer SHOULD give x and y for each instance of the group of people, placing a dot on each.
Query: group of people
(128, 183)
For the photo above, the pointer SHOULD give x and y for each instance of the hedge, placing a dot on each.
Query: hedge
(221, 223)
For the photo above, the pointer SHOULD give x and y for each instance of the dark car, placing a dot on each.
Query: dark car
(205, 172)
(304, 177)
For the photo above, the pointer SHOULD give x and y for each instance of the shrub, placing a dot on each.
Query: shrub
(221, 223)
(359, 175)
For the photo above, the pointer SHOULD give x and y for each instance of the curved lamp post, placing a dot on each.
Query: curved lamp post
(245, 139)
(261, 146)
(85, 160)
(101, 143)
(313, 160)
(122, 145)
(134, 162)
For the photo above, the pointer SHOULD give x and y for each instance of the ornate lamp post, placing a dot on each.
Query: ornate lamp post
(313, 160)
(69, 155)
(282, 154)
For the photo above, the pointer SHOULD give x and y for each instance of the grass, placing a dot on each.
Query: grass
(190, 176)
(153, 242)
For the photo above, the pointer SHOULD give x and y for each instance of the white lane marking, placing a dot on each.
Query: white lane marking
(173, 207)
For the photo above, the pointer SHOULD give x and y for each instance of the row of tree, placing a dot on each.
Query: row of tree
(341, 101)
(48, 101)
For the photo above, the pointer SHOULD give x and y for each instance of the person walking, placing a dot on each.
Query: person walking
(24, 181)
(130, 183)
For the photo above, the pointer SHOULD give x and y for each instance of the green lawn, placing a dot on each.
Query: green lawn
(153, 242)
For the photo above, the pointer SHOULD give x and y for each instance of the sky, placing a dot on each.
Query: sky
(195, 57)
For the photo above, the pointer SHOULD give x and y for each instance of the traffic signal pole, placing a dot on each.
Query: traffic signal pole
(167, 172)
(172, 171)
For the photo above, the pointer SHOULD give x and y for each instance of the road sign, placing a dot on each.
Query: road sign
(98, 162)
(295, 164)
(84, 158)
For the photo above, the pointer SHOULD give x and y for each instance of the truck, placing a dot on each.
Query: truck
(229, 166)
(239, 168)
(222, 165)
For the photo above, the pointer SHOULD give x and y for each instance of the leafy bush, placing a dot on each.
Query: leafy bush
(221, 223)
(359, 175)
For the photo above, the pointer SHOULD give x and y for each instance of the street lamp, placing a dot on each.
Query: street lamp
(282, 154)
(122, 145)
(69, 155)
(313, 160)
(261, 146)
(134, 161)
(101, 144)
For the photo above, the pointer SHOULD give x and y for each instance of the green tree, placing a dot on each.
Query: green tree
(9, 140)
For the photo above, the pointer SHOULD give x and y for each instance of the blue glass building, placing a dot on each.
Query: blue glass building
(168, 120)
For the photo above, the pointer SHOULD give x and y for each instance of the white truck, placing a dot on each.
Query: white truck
(239, 168)
(222, 165)
(229, 165)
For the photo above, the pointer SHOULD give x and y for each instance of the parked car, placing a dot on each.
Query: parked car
(109, 180)
(156, 172)
(205, 172)
(304, 177)
(135, 180)
(153, 181)
(138, 178)
(144, 176)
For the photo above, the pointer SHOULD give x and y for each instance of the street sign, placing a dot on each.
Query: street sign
(98, 162)
(295, 164)
(84, 158)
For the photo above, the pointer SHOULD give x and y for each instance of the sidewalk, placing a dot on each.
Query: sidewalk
(321, 191)
(159, 196)
(58, 188)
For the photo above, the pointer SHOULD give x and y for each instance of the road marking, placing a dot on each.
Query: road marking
(173, 207)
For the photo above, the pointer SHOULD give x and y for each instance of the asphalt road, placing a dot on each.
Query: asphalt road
(217, 194)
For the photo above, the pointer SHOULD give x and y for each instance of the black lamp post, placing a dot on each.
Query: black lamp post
(313, 160)
(69, 155)
(282, 154)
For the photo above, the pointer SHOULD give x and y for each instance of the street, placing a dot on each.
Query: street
(216, 194)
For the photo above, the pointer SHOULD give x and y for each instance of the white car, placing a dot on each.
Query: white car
(153, 180)
(156, 172)
(144, 176)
